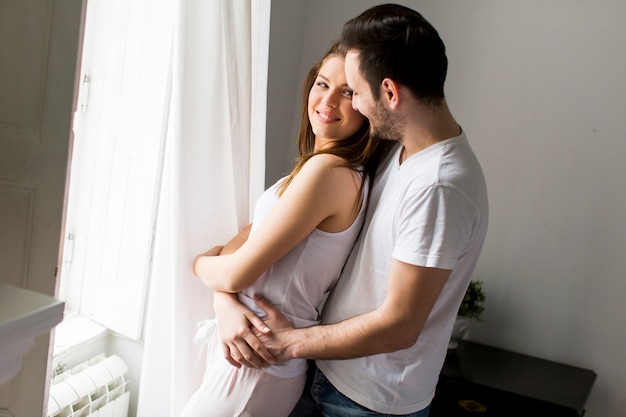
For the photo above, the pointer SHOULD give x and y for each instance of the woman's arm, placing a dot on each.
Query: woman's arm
(232, 245)
(236, 242)
(235, 319)
(323, 189)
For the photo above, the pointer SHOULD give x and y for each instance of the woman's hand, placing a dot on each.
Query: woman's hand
(237, 326)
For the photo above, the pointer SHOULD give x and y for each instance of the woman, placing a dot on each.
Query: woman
(304, 227)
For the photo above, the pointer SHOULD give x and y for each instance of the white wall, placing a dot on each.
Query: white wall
(540, 88)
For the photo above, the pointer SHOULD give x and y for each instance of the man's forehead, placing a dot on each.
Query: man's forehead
(352, 64)
(352, 55)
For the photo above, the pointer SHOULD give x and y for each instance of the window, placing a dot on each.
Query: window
(119, 128)
(115, 172)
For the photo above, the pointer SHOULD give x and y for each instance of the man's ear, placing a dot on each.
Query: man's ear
(389, 90)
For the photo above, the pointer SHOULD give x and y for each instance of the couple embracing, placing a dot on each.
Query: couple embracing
(386, 210)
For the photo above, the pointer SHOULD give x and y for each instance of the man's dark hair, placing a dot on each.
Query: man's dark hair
(396, 42)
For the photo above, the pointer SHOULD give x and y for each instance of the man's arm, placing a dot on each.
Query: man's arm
(396, 324)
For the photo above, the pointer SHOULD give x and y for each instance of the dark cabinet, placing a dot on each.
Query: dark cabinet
(479, 380)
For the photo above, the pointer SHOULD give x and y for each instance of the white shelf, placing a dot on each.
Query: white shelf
(24, 315)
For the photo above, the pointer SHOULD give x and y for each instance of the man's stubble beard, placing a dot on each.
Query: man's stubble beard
(384, 124)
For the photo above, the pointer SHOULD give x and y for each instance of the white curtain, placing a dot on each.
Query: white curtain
(213, 173)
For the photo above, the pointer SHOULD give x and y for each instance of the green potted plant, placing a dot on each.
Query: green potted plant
(471, 308)
(472, 304)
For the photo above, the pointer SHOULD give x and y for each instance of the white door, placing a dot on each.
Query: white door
(39, 50)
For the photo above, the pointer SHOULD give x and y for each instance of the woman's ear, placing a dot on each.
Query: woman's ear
(390, 92)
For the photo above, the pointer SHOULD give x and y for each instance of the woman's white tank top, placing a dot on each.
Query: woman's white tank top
(298, 283)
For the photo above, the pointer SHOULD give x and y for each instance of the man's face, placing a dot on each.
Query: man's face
(362, 99)
(384, 123)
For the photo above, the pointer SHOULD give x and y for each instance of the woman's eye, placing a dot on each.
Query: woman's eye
(349, 93)
(322, 84)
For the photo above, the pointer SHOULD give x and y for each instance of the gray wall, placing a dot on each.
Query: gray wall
(286, 37)
(540, 89)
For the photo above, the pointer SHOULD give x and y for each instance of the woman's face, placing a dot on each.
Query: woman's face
(330, 104)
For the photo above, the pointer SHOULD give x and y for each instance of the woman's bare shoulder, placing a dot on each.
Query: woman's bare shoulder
(328, 162)
(331, 170)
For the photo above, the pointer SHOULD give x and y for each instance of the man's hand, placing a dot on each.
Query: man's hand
(282, 335)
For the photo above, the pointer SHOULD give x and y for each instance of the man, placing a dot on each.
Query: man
(386, 325)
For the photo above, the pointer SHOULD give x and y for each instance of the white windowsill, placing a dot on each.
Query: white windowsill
(76, 331)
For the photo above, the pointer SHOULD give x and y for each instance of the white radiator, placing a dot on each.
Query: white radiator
(96, 388)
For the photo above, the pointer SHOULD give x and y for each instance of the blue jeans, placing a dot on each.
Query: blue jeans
(332, 403)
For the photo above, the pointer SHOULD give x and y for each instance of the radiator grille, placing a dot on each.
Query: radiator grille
(96, 388)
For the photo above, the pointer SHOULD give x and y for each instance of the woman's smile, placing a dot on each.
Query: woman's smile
(327, 116)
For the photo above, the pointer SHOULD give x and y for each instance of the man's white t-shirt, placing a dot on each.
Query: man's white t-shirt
(431, 211)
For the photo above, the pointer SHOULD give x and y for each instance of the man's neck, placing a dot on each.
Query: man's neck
(427, 126)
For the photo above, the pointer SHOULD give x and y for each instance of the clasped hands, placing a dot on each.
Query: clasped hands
(246, 339)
